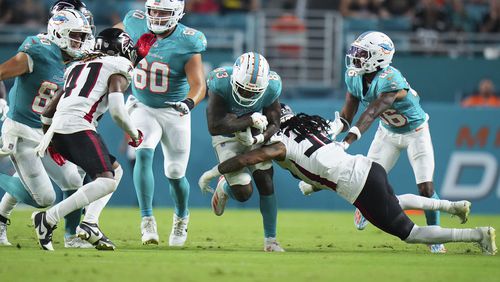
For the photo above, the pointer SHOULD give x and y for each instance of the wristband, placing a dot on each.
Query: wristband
(355, 130)
(189, 102)
(45, 120)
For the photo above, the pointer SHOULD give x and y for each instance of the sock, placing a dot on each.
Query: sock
(7, 205)
(179, 191)
(88, 193)
(415, 202)
(144, 181)
(71, 220)
(438, 235)
(433, 217)
(269, 212)
(228, 190)
(95, 208)
(16, 189)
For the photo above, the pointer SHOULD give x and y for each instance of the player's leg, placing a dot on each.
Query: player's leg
(384, 150)
(421, 156)
(146, 121)
(86, 150)
(380, 206)
(175, 144)
(7, 205)
(415, 202)
(68, 178)
(263, 177)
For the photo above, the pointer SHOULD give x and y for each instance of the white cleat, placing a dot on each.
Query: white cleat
(487, 243)
(3, 234)
(437, 249)
(461, 209)
(75, 242)
(149, 231)
(219, 199)
(271, 245)
(179, 234)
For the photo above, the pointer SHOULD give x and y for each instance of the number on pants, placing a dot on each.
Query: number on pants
(45, 94)
(392, 117)
(158, 76)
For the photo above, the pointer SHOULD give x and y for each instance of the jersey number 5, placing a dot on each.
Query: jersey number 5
(155, 73)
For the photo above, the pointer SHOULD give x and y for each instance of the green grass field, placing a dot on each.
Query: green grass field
(321, 246)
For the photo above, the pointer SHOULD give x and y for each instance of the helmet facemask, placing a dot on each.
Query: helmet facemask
(161, 19)
(358, 59)
(246, 95)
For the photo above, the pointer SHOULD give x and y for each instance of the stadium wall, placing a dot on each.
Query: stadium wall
(466, 144)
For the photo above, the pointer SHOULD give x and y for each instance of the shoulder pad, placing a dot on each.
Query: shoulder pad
(195, 39)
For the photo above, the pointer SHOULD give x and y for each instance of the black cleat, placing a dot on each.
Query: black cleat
(43, 230)
(92, 233)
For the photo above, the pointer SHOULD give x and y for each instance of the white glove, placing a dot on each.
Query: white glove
(246, 138)
(344, 145)
(306, 188)
(183, 107)
(4, 108)
(206, 177)
(259, 121)
(336, 126)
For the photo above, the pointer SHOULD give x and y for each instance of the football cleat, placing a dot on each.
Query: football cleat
(149, 231)
(43, 230)
(93, 234)
(75, 242)
(219, 199)
(359, 220)
(3, 234)
(461, 209)
(437, 248)
(271, 245)
(178, 236)
(487, 243)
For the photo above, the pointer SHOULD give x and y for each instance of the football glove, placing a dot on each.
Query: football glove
(259, 121)
(247, 139)
(206, 177)
(135, 143)
(144, 44)
(336, 126)
(306, 188)
(58, 158)
(183, 107)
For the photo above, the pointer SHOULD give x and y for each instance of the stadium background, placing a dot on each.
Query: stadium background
(443, 56)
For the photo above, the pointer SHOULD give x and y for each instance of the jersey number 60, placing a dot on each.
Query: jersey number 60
(155, 73)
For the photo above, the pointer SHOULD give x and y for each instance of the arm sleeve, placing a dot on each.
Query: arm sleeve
(119, 114)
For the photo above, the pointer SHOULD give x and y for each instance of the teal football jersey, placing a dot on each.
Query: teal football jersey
(218, 83)
(33, 91)
(405, 114)
(160, 77)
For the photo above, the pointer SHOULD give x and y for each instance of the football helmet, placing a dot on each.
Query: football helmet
(60, 5)
(250, 78)
(285, 112)
(173, 11)
(69, 29)
(115, 42)
(369, 52)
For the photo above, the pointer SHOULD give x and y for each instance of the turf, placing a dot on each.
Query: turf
(321, 246)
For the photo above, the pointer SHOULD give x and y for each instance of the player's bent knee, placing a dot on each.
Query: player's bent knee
(46, 199)
(242, 192)
(174, 171)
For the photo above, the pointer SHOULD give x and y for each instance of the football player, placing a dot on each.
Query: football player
(38, 68)
(167, 85)
(303, 148)
(372, 81)
(92, 85)
(242, 97)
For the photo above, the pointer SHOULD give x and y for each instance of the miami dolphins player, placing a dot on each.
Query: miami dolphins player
(38, 68)
(372, 81)
(168, 83)
(243, 97)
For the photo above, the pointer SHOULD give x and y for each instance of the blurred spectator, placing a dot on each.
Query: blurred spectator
(396, 8)
(491, 21)
(430, 16)
(29, 13)
(360, 8)
(484, 97)
(460, 19)
(202, 6)
(5, 11)
(228, 6)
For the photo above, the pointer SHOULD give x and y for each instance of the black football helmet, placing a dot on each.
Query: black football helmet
(286, 112)
(74, 4)
(115, 42)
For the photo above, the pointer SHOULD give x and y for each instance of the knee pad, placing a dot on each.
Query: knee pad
(238, 178)
(109, 184)
(174, 171)
(46, 200)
